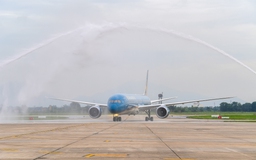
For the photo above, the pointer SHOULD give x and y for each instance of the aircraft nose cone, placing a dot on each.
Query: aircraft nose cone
(116, 103)
(114, 108)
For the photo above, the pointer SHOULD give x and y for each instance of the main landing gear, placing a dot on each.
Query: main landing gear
(148, 118)
(116, 118)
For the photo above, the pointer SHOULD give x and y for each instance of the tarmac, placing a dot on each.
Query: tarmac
(173, 138)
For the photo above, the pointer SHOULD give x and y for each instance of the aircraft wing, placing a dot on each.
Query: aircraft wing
(82, 102)
(193, 101)
(146, 107)
(164, 99)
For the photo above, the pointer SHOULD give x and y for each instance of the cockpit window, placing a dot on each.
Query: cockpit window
(114, 101)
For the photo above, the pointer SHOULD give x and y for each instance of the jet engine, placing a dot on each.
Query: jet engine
(162, 112)
(95, 112)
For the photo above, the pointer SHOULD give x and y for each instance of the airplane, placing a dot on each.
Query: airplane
(132, 104)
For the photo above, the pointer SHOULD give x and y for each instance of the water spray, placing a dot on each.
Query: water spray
(93, 32)
(87, 30)
(36, 47)
(111, 27)
(189, 37)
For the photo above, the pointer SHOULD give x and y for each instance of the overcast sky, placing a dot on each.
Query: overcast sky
(88, 50)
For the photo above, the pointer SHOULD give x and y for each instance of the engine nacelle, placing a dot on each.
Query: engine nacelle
(95, 112)
(162, 112)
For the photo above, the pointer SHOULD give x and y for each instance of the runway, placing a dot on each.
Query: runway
(174, 138)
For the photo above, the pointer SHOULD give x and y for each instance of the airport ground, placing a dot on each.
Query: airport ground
(174, 138)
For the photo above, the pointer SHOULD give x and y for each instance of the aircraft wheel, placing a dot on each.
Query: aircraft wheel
(151, 118)
(116, 119)
(119, 118)
(146, 118)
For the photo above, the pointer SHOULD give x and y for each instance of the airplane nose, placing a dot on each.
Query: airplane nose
(116, 104)
(114, 108)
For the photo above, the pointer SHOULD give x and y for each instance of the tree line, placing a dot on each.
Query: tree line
(224, 107)
(76, 108)
(238, 107)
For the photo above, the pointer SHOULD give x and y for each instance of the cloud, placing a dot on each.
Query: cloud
(97, 61)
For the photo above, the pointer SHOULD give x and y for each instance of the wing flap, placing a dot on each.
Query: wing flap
(82, 102)
(193, 101)
(146, 107)
(164, 99)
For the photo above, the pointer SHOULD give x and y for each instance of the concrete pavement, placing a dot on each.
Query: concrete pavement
(133, 138)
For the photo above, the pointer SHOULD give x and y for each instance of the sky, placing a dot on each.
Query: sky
(89, 50)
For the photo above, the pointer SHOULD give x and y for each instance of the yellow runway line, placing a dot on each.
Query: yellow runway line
(178, 159)
(9, 150)
(106, 155)
(89, 155)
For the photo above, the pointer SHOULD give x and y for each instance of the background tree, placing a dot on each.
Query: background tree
(235, 106)
(224, 106)
(247, 107)
(75, 107)
(253, 106)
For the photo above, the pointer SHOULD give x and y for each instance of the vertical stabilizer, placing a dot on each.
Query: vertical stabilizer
(146, 88)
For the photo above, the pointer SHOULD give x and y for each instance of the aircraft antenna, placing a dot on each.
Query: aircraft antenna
(160, 96)
(146, 88)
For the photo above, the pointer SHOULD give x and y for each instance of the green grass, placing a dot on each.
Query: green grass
(212, 113)
(232, 116)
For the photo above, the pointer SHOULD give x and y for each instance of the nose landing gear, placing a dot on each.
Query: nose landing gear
(117, 118)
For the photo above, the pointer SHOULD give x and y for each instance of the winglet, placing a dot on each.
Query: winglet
(146, 88)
